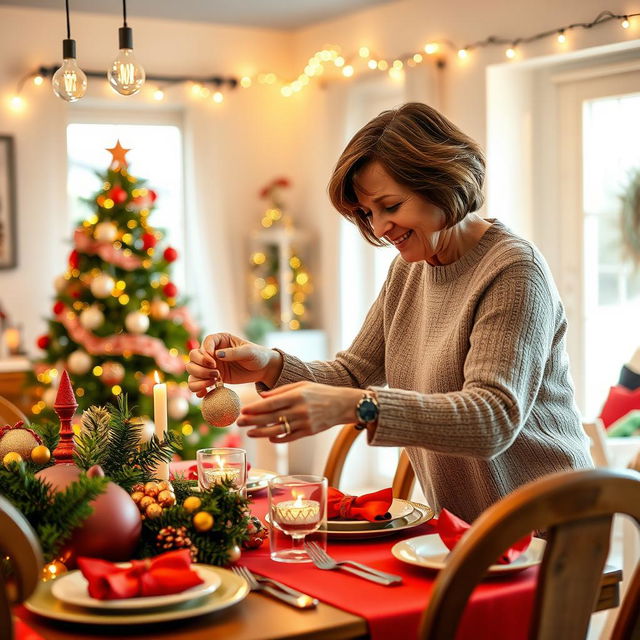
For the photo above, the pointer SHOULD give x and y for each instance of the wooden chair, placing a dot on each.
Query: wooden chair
(404, 477)
(597, 434)
(10, 414)
(18, 541)
(576, 510)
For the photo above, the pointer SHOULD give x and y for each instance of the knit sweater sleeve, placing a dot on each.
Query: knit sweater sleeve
(359, 366)
(510, 341)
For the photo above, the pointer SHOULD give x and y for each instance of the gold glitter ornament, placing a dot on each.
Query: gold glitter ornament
(10, 458)
(221, 406)
(192, 503)
(40, 454)
(203, 521)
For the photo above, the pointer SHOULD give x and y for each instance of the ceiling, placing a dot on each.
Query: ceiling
(276, 14)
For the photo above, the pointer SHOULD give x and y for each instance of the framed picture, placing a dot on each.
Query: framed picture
(8, 239)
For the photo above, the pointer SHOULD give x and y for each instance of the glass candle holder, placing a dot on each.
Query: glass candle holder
(216, 465)
(298, 508)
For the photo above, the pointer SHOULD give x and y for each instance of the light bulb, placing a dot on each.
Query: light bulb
(462, 54)
(561, 37)
(625, 23)
(510, 53)
(126, 76)
(69, 81)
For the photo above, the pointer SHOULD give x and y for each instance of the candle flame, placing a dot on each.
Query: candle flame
(298, 497)
(157, 377)
(219, 462)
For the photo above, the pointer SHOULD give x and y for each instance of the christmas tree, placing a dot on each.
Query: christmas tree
(117, 317)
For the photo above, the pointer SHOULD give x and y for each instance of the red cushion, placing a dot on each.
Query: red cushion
(618, 403)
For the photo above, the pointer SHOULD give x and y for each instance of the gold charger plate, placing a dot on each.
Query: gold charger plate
(232, 590)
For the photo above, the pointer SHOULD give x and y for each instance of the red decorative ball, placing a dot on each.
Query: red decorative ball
(192, 343)
(170, 290)
(112, 531)
(170, 254)
(118, 195)
(149, 240)
(152, 195)
(74, 259)
(43, 341)
(58, 307)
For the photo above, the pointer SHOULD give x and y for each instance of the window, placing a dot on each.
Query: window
(156, 155)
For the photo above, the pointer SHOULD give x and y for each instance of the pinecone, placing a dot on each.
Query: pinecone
(95, 418)
(170, 538)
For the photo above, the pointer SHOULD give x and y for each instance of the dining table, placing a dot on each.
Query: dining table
(349, 607)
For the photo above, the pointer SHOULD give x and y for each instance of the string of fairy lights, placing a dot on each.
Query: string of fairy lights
(329, 63)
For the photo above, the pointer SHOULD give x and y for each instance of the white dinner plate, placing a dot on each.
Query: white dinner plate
(430, 552)
(71, 588)
(232, 590)
(258, 479)
(398, 509)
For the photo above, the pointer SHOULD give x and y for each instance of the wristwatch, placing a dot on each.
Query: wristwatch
(366, 411)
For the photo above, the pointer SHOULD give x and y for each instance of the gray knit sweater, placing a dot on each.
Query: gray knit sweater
(473, 353)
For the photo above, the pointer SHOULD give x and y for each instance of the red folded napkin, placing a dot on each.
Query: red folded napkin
(370, 506)
(167, 573)
(450, 528)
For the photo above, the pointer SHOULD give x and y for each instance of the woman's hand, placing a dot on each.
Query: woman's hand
(309, 408)
(231, 359)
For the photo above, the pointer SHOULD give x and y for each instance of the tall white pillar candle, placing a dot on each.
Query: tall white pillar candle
(160, 420)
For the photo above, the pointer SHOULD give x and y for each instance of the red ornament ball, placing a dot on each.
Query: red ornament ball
(170, 254)
(58, 307)
(74, 259)
(118, 195)
(149, 241)
(170, 290)
(192, 343)
(152, 195)
(43, 341)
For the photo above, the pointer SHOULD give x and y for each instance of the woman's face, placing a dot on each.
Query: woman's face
(400, 215)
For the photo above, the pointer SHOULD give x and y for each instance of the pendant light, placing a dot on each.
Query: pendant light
(126, 76)
(69, 81)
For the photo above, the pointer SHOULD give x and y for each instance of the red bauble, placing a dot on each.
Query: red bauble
(74, 259)
(112, 531)
(192, 343)
(149, 241)
(118, 195)
(170, 290)
(58, 307)
(152, 195)
(43, 341)
(170, 254)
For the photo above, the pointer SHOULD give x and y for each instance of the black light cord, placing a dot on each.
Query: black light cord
(124, 12)
(66, 2)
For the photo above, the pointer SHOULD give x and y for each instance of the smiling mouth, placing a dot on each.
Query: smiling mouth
(402, 238)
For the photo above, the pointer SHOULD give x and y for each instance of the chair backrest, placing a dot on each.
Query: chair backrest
(404, 477)
(598, 436)
(18, 541)
(575, 508)
(10, 414)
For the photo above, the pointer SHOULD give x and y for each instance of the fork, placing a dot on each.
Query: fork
(323, 560)
(301, 601)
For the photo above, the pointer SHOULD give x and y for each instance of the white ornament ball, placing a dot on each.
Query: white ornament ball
(112, 372)
(49, 396)
(106, 232)
(234, 553)
(79, 362)
(178, 407)
(91, 318)
(136, 322)
(60, 283)
(159, 309)
(102, 286)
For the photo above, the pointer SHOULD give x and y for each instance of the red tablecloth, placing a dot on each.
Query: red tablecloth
(499, 609)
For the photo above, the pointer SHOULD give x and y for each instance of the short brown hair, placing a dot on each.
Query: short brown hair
(420, 149)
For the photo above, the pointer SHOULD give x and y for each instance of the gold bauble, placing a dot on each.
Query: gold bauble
(221, 406)
(203, 521)
(145, 501)
(10, 458)
(136, 496)
(151, 489)
(166, 498)
(52, 570)
(137, 487)
(17, 440)
(192, 503)
(165, 485)
(40, 454)
(153, 511)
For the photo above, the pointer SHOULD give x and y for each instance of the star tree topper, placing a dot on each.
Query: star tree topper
(118, 154)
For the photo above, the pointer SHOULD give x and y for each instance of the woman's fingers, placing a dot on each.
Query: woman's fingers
(282, 389)
(270, 405)
(203, 359)
(198, 371)
(198, 384)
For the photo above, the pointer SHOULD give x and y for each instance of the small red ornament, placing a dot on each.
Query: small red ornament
(65, 406)
(192, 343)
(170, 254)
(43, 341)
(118, 195)
(170, 290)
(74, 259)
(58, 307)
(152, 195)
(149, 241)
(282, 182)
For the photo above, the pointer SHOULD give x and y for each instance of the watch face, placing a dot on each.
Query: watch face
(367, 410)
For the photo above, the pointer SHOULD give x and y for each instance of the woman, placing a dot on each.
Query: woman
(468, 331)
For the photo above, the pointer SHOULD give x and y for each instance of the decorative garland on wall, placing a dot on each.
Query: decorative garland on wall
(325, 60)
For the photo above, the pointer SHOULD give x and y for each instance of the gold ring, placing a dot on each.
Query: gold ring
(285, 423)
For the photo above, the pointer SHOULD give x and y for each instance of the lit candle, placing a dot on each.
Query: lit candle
(298, 511)
(160, 420)
(12, 340)
(217, 475)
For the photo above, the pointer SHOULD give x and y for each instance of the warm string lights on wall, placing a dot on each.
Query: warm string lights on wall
(126, 76)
